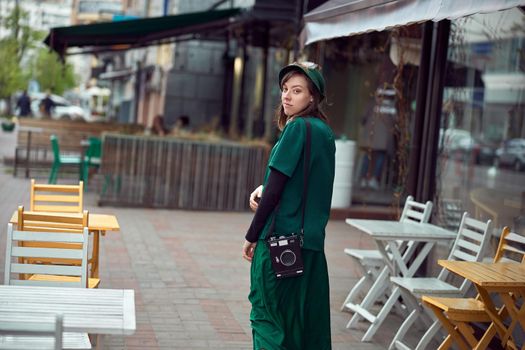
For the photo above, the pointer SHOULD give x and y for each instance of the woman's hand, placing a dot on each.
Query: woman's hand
(255, 194)
(248, 249)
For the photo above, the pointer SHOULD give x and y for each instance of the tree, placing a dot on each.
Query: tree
(13, 51)
(11, 77)
(23, 57)
(51, 73)
(17, 23)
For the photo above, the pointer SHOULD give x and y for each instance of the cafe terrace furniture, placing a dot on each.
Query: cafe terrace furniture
(505, 277)
(16, 332)
(91, 158)
(61, 159)
(36, 331)
(371, 261)
(41, 258)
(47, 258)
(95, 311)
(399, 260)
(56, 198)
(33, 149)
(98, 224)
(470, 245)
(26, 142)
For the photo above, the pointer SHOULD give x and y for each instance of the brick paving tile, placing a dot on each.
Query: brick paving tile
(190, 281)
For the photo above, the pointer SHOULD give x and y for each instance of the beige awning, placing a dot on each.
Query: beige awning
(338, 18)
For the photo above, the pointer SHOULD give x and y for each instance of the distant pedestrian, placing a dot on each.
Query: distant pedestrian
(293, 313)
(47, 105)
(24, 105)
(158, 127)
(182, 122)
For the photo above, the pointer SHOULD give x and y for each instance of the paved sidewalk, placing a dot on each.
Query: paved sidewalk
(186, 268)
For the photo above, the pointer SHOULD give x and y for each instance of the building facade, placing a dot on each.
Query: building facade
(436, 108)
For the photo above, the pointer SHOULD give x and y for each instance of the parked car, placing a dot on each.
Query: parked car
(511, 154)
(63, 108)
(458, 143)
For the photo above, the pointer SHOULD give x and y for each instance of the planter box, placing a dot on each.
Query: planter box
(174, 173)
(8, 126)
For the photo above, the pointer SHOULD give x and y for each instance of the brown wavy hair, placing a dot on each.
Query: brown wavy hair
(313, 109)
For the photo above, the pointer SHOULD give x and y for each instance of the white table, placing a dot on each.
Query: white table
(94, 311)
(402, 258)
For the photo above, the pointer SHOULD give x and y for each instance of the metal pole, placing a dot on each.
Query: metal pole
(419, 118)
(261, 122)
(427, 169)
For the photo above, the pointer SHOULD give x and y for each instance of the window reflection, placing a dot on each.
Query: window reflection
(481, 163)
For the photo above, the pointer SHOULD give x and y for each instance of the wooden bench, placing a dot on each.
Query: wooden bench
(33, 147)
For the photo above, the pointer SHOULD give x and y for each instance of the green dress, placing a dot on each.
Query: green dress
(294, 313)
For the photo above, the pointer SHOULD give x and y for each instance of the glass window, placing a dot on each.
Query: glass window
(371, 90)
(481, 162)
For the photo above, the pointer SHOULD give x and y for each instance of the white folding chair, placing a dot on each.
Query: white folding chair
(371, 261)
(22, 261)
(24, 331)
(470, 245)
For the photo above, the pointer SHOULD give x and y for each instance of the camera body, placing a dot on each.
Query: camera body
(285, 252)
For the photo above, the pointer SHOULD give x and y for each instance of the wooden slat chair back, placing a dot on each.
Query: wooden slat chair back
(455, 314)
(38, 330)
(470, 245)
(56, 198)
(22, 258)
(72, 223)
(511, 247)
(415, 211)
(52, 222)
(17, 332)
(371, 261)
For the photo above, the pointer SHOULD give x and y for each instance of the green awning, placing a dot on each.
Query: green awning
(140, 32)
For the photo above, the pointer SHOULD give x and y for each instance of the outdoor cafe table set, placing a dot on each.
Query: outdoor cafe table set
(84, 310)
(392, 238)
(399, 262)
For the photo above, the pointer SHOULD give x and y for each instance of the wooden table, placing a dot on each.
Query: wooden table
(94, 311)
(501, 278)
(99, 224)
(409, 244)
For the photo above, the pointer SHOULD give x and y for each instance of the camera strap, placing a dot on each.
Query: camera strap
(306, 165)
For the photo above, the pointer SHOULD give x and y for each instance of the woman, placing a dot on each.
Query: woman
(293, 313)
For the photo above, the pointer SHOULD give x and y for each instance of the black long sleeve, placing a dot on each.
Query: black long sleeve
(270, 197)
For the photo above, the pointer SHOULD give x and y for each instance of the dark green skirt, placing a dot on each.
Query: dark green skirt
(291, 313)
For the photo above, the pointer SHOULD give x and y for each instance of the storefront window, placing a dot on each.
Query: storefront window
(481, 162)
(371, 91)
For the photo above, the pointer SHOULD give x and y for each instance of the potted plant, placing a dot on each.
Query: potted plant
(8, 124)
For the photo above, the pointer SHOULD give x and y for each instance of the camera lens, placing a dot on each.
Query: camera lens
(288, 257)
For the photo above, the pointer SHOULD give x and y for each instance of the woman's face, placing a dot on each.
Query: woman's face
(295, 95)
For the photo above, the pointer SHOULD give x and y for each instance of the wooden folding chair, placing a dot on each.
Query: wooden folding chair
(56, 198)
(74, 224)
(470, 245)
(371, 261)
(456, 314)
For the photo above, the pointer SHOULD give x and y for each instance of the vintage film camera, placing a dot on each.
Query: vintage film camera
(285, 253)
